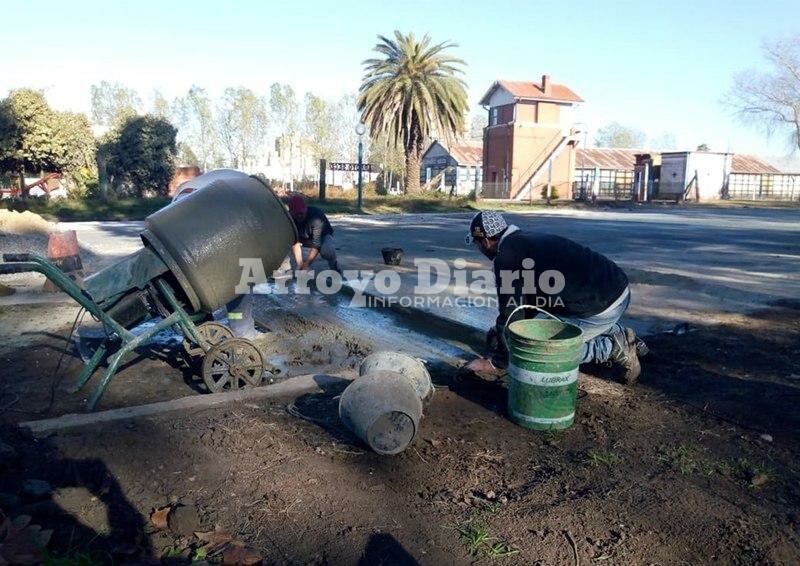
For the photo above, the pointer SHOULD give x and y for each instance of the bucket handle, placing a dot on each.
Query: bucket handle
(522, 307)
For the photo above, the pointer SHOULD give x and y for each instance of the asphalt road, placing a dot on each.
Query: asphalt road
(683, 262)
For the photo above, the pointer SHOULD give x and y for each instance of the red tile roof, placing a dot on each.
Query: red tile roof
(533, 91)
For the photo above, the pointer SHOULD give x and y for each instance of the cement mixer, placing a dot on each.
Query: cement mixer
(188, 267)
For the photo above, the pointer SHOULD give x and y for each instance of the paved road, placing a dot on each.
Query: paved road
(683, 262)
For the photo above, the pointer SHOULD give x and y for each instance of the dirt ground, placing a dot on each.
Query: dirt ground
(697, 464)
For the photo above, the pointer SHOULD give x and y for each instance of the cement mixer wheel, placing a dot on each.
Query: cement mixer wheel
(211, 333)
(231, 365)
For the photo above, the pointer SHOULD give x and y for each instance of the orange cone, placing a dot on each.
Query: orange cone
(63, 250)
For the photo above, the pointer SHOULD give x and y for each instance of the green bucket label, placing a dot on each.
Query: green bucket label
(543, 420)
(543, 378)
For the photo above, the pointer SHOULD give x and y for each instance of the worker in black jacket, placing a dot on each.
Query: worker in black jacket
(563, 278)
(315, 233)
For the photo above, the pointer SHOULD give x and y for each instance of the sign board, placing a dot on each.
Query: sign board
(333, 166)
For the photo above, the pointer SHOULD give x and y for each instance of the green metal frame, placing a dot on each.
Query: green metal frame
(184, 321)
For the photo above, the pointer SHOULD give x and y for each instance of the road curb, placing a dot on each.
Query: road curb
(292, 387)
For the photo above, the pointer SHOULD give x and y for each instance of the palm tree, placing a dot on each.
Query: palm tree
(411, 92)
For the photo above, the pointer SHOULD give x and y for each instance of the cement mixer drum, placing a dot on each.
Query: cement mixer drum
(201, 238)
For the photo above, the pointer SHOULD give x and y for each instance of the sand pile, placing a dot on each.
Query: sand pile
(20, 223)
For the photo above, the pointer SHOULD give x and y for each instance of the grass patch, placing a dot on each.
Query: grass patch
(742, 469)
(74, 210)
(598, 458)
(480, 543)
(685, 459)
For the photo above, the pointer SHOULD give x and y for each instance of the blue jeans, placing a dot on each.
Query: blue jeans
(598, 327)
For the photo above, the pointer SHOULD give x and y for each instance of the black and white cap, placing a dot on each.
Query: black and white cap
(486, 224)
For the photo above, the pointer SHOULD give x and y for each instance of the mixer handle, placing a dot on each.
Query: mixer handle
(18, 257)
(8, 268)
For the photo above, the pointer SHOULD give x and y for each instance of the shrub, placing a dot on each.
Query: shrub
(553, 192)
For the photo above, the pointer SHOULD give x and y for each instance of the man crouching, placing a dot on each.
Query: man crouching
(589, 291)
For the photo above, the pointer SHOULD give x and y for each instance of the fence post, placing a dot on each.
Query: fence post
(323, 168)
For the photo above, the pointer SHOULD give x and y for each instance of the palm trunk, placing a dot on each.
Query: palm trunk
(411, 183)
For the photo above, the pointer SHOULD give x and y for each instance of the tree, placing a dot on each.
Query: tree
(412, 89)
(161, 106)
(390, 159)
(139, 155)
(617, 135)
(113, 103)
(771, 99)
(74, 147)
(242, 123)
(703, 147)
(286, 115)
(479, 122)
(186, 156)
(347, 118)
(34, 137)
(321, 135)
(666, 141)
(197, 126)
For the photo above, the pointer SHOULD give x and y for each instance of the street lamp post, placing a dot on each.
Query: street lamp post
(360, 129)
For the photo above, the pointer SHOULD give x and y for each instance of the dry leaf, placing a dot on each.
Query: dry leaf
(214, 539)
(159, 518)
(237, 554)
(759, 480)
(20, 542)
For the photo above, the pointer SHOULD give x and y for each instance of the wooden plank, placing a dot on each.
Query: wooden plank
(291, 387)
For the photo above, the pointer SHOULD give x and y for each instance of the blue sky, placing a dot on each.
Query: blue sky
(654, 66)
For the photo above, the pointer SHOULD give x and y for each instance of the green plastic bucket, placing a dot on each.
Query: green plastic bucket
(544, 355)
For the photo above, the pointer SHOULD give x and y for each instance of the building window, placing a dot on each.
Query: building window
(493, 116)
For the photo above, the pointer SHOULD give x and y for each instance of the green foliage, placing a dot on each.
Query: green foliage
(89, 208)
(113, 103)
(685, 459)
(410, 92)
(186, 156)
(480, 543)
(553, 192)
(242, 122)
(34, 137)
(320, 128)
(617, 135)
(140, 156)
(742, 469)
(598, 457)
(198, 127)
(285, 113)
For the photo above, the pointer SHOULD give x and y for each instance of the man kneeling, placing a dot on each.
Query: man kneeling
(589, 291)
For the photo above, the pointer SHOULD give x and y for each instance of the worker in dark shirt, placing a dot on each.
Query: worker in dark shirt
(315, 233)
(563, 278)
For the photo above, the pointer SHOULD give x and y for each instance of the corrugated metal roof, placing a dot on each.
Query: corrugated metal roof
(744, 163)
(533, 91)
(469, 153)
(466, 152)
(618, 158)
(607, 158)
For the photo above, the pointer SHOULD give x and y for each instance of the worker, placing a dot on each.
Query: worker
(314, 231)
(583, 287)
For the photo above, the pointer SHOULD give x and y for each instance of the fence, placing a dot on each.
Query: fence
(614, 184)
(764, 186)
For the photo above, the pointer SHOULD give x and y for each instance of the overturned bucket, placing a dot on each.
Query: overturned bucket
(544, 355)
(403, 364)
(383, 409)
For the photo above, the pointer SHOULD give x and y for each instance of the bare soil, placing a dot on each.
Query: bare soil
(696, 464)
